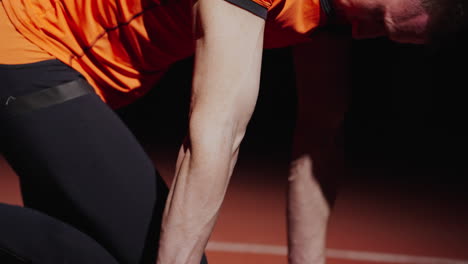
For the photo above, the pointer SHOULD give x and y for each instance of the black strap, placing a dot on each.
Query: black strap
(47, 97)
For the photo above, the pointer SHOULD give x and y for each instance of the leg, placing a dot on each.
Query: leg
(318, 161)
(29, 236)
(78, 163)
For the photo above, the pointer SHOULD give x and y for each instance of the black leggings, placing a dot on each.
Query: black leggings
(80, 165)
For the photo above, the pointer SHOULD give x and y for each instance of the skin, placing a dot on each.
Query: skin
(403, 21)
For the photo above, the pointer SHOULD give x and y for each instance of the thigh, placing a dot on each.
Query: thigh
(78, 163)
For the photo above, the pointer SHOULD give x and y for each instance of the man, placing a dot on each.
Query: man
(79, 164)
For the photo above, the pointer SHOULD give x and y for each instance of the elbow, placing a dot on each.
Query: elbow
(219, 134)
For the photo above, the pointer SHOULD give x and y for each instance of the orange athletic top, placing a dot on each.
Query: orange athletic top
(123, 47)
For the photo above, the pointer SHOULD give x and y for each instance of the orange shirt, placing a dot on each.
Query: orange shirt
(14, 47)
(291, 22)
(123, 47)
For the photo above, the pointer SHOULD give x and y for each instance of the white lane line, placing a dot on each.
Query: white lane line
(247, 248)
(332, 253)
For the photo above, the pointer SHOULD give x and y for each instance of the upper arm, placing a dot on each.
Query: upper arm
(229, 43)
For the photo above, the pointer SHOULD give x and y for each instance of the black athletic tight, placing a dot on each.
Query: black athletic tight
(92, 194)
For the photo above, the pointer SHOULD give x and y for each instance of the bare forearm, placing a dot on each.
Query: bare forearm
(307, 215)
(192, 208)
